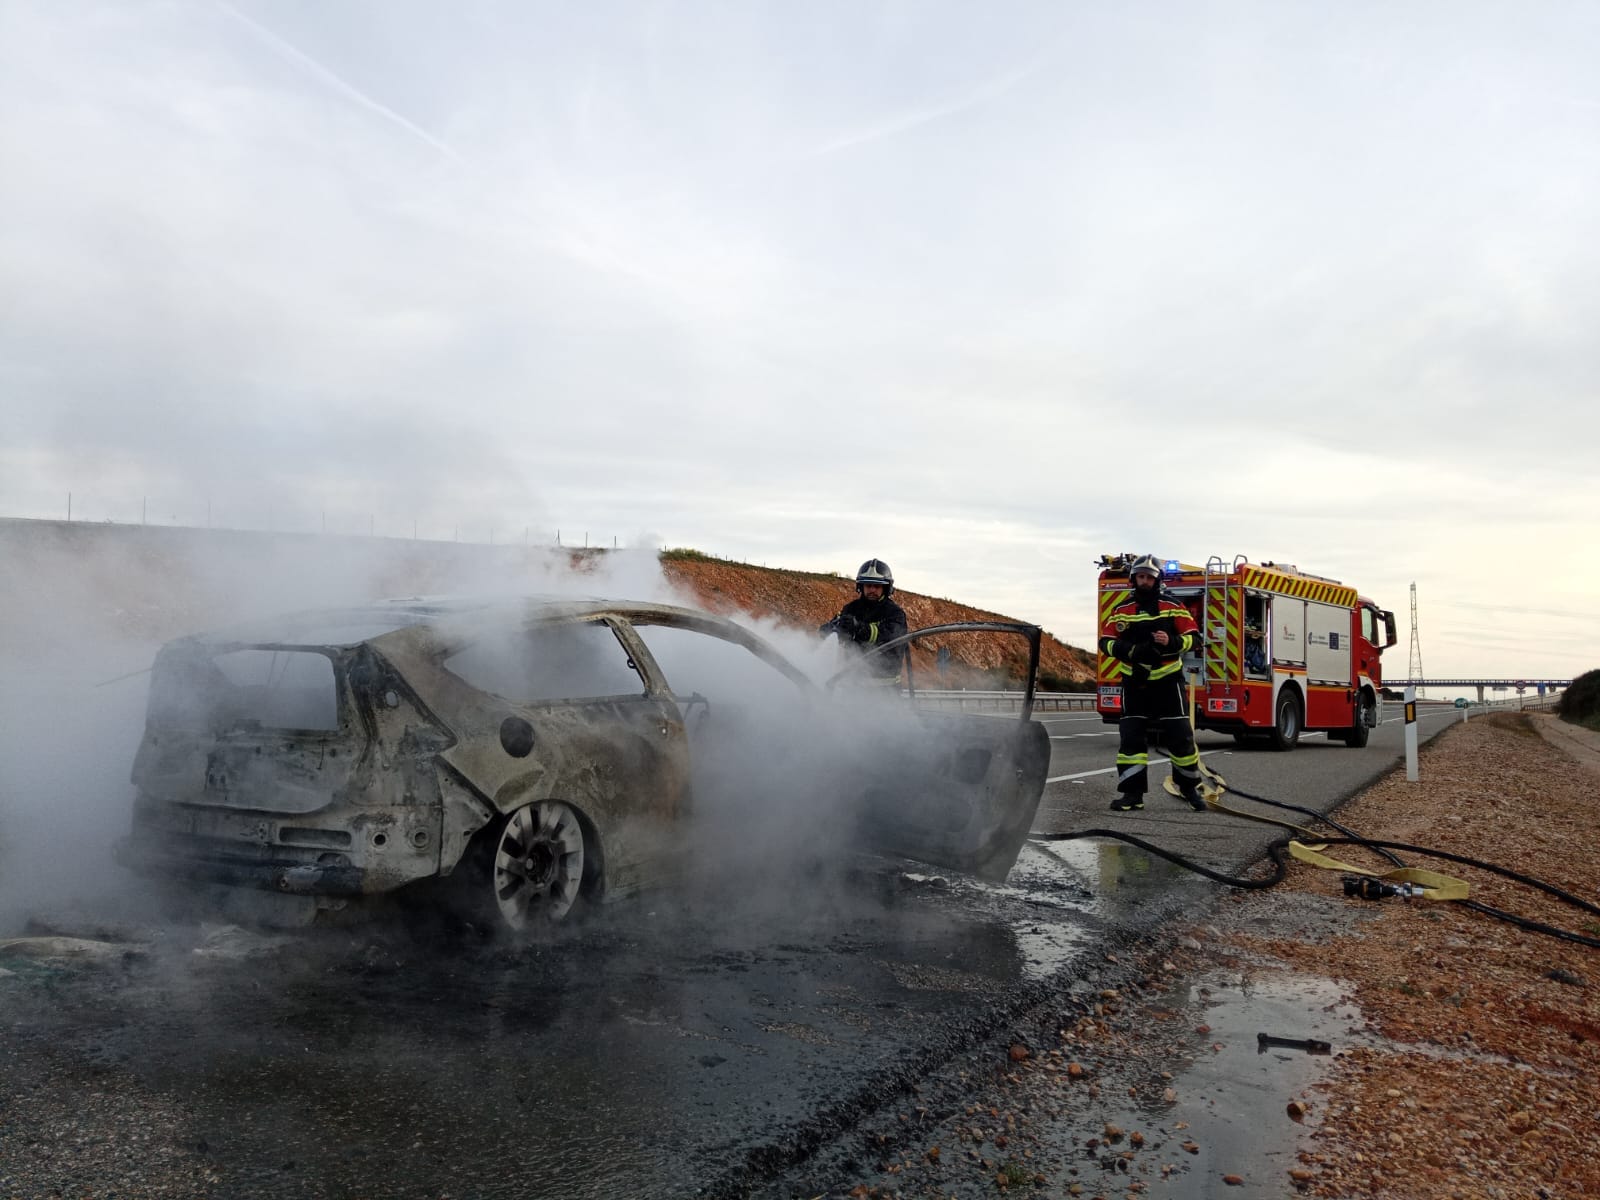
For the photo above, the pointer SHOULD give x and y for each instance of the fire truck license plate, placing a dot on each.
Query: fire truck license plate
(1222, 705)
(1111, 697)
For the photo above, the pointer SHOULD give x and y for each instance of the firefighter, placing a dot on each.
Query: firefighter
(1255, 648)
(1149, 634)
(872, 619)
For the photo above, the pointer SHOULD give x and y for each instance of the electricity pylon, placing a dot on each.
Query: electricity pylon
(1415, 670)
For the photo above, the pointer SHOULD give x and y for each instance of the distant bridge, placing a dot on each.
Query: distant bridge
(1499, 685)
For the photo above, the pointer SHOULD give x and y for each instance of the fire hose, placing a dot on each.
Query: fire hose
(1359, 882)
(1401, 881)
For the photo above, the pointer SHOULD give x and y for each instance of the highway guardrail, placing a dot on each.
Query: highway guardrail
(1001, 701)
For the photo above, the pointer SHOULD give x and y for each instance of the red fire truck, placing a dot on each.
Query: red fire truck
(1282, 652)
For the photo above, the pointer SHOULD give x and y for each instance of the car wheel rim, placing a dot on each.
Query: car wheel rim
(538, 865)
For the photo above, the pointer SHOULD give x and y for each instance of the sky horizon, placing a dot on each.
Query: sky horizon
(985, 293)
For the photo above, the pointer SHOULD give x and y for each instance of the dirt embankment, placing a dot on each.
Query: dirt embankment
(805, 600)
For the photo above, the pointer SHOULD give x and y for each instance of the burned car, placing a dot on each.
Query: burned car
(538, 753)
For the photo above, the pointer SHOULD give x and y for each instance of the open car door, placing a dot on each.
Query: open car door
(954, 789)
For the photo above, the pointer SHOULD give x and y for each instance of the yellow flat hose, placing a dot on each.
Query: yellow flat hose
(1434, 885)
(1214, 802)
(1208, 776)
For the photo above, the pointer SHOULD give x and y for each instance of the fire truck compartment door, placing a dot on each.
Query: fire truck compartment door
(1289, 631)
(1327, 643)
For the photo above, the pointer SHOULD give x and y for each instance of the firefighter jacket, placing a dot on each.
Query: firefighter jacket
(1127, 637)
(877, 622)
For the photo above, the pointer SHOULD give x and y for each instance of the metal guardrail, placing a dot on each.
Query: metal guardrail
(1000, 701)
(1546, 703)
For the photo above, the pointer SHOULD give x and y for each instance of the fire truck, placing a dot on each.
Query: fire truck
(1282, 652)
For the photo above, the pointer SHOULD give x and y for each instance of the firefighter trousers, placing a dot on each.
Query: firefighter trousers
(1157, 706)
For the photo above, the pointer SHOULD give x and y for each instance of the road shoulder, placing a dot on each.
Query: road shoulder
(1461, 1049)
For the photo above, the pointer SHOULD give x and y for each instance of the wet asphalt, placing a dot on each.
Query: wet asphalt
(708, 1042)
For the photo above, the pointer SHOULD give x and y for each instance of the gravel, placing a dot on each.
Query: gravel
(1466, 1048)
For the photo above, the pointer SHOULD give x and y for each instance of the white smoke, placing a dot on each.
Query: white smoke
(777, 765)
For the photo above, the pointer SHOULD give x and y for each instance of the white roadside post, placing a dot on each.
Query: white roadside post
(1411, 734)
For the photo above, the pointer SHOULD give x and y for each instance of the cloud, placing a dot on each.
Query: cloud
(1299, 288)
(903, 122)
(341, 86)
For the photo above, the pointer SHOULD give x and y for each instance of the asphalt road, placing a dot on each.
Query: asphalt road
(1317, 773)
(704, 1043)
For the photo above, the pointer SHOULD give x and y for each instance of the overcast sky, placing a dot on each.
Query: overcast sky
(984, 290)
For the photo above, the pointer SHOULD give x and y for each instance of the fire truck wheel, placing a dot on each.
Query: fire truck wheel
(1356, 736)
(1286, 728)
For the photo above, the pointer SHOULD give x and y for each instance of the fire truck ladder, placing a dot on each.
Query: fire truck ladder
(1219, 615)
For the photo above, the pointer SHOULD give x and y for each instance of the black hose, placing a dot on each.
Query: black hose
(1529, 880)
(1279, 850)
(1488, 910)
(1310, 812)
(1383, 848)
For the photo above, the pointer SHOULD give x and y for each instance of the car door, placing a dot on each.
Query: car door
(749, 713)
(562, 710)
(956, 789)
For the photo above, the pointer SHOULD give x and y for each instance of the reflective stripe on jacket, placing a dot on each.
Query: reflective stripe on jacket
(1127, 637)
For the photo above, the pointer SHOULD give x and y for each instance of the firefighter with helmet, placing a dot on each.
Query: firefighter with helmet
(872, 619)
(1148, 635)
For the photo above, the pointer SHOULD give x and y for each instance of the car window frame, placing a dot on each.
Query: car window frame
(719, 629)
(645, 668)
(1033, 633)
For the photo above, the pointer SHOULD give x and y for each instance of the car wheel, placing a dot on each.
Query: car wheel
(1288, 719)
(538, 865)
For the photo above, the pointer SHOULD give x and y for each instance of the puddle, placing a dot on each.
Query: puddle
(1108, 876)
(1232, 1095)
(1047, 949)
(1236, 1097)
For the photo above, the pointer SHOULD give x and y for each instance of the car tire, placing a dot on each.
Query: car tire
(1288, 719)
(538, 866)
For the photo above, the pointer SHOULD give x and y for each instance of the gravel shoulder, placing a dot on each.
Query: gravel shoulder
(1463, 1049)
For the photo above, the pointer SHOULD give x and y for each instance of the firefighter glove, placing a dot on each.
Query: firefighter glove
(847, 625)
(1144, 655)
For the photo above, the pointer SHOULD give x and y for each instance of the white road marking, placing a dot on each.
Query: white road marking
(1109, 770)
(1447, 712)
(1067, 737)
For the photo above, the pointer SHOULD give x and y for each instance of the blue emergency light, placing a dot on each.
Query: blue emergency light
(1172, 565)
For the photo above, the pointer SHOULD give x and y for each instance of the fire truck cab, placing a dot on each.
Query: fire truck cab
(1281, 653)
